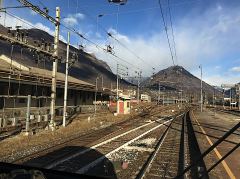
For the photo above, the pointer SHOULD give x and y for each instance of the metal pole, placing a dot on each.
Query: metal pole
(117, 87)
(223, 100)
(1, 3)
(230, 98)
(159, 92)
(201, 90)
(181, 97)
(163, 99)
(28, 113)
(239, 97)
(54, 70)
(66, 84)
(102, 83)
(138, 89)
(95, 107)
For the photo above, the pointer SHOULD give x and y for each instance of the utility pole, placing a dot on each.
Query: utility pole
(117, 87)
(230, 98)
(201, 90)
(56, 22)
(28, 114)
(138, 91)
(102, 83)
(95, 104)
(66, 83)
(223, 99)
(54, 70)
(239, 97)
(159, 90)
(1, 4)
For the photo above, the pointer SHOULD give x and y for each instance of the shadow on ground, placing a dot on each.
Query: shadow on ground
(66, 169)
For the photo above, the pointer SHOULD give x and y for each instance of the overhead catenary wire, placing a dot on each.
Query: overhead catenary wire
(73, 30)
(173, 36)
(77, 33)
(80, 35)
(166, 31)
(98, 46)
(22, 20)
(141, 9)
(115, 38)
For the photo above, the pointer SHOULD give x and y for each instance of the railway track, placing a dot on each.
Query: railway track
(176, 150)
(82, 155)
(83, 139)
(229, 111)
(86, 159)
(79, 163)
(169, 158)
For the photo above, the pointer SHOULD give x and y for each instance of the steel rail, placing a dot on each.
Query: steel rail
(98, 145)
(97, 161)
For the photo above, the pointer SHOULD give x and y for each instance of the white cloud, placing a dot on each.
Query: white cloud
(70, 21)
(235, 69)
(207, 39)
(73, 19)
(13, 22)
(33, 12)
(217, 67)
(218, 79)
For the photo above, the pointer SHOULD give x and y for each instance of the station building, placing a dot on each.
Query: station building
(17, 81)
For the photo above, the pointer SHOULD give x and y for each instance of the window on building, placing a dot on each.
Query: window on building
(22, 100)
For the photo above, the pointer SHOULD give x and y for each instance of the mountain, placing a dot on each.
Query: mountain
(86, 67)
(134, 80)
(176, 78)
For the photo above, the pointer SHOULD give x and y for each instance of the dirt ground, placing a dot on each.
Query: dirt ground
(80, 125)
(21, 145)
(216, 124)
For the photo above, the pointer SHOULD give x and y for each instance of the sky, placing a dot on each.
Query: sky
(206, 32)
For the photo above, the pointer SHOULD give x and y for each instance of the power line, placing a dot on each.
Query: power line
(97, 46)
(174, 44)
(73, 30)
(165, 26)
(22, 20)
(44, 14)
(117, 40)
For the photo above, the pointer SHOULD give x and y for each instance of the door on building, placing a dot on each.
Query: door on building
(121, 107)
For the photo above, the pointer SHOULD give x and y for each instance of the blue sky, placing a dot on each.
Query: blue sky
(206, 32)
